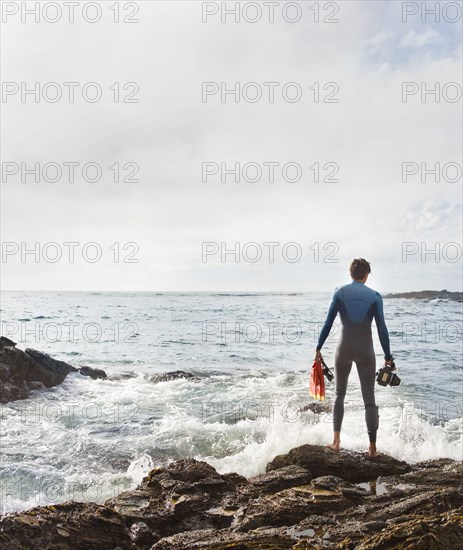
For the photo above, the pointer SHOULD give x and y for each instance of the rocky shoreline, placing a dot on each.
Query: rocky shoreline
(428, 295)
(309, 498)
(24, 371)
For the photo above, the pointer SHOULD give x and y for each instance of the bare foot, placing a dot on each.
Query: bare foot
(373, 453)
(334, 447)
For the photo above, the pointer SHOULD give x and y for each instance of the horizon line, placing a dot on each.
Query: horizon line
(212, 291)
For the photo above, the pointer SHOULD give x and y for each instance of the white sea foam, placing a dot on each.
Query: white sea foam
(412, 439)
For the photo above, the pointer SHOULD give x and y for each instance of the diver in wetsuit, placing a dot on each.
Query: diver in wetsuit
(357, 305)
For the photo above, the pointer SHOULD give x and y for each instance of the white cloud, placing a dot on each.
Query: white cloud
(170, 212)
(377, 41)
(413, 39)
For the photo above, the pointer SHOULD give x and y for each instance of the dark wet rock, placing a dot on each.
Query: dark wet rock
(289, 506)
(318, 407)
(276, 480)
(323, 495)
(6, 342)
(322, 461)
(380, 511)
(173, 375)
(182, 496)
(353, 493)
(187, 504)
(142, 536)
(443, 464)
(212, 539)
(432, 474)
(11, 392)
(428, 295)
(55, 370)
(93, 373)
(24, 371)
(425, 503)
(20, 372)
(432, 533)
(71, 525)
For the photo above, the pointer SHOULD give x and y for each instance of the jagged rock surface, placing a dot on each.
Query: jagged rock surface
(23, 371)
(354, 466)
(93, 373)
(308, 498)
(172, 375)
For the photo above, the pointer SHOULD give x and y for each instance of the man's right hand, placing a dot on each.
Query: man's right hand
(318, 355)
(389, 362)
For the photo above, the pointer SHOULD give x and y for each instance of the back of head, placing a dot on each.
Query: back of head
(359, 268)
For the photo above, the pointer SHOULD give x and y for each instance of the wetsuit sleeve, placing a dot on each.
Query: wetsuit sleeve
(332, 312)
(381, 327)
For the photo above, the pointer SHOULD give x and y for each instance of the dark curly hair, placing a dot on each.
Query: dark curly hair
(359, 268)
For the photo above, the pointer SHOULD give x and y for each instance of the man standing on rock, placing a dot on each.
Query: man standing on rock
(357, 304)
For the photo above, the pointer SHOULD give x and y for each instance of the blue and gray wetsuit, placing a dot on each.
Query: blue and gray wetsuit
(357, 305)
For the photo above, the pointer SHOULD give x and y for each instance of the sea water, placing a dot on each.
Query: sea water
(250, 354)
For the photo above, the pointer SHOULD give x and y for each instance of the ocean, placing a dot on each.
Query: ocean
(250, 355)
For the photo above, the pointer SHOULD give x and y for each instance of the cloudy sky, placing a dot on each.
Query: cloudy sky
(351, 124)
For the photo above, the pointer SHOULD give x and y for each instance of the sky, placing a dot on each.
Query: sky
(355, 148)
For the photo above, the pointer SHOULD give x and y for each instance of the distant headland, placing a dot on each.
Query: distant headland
(428, 295)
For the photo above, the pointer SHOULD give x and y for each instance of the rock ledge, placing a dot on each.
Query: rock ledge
(310, 497)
